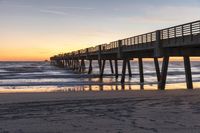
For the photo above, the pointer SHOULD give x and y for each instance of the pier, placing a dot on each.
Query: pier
(177, 41)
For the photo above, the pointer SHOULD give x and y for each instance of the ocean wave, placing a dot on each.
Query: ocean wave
(43, 74)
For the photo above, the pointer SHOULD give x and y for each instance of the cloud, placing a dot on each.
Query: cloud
(68, 7)
(54, 12)
(56, 9)
(164, 15)
(15, 6)
(176, 13)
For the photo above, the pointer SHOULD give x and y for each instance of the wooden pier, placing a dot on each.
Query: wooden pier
(178, 41)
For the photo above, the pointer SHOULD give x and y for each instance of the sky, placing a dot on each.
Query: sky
(32, 30)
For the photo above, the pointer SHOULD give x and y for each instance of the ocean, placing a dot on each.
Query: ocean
(43, 77)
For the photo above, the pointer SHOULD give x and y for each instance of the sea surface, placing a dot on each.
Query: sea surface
(43, 77)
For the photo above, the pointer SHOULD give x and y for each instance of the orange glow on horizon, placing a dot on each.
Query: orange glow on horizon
(12, 51)
(39, 53)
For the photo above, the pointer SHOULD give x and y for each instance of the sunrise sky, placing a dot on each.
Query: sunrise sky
(38, 29)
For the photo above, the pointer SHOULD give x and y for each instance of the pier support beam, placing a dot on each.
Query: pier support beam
(82, 66)
(70, 64)
(188, 73)
(102, 69)
(157, 69)
(73, 64)
(77, 65)
(100, 65)
(90, 67)
(111, 67)
(129, 68)
(116, 69)
(65, 63)
(126, 62)
(163, 76)
(140, 61)
(123, 70)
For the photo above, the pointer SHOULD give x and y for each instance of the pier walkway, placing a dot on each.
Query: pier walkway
(178, 41)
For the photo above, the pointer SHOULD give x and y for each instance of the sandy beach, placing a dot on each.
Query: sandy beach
(175, 111)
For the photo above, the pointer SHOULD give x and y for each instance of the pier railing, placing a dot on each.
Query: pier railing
(191, 29)
(180, 31)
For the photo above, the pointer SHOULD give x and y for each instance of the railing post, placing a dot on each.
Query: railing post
(182, 30)
(119, 53)
(199, 27)
(175, 34)
(168, 37)
(191, 34)
(158, 50)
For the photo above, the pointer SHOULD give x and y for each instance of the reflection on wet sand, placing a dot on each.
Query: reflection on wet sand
(102, 87)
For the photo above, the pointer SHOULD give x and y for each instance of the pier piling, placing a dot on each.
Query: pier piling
(116, 69)
(188, 73)
(140, 61)
(163, 76)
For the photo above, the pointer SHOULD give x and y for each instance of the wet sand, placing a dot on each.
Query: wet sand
(174, 111)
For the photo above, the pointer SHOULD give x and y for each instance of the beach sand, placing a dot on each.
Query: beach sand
(174, 111)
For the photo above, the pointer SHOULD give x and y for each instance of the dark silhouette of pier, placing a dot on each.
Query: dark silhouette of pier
(178, 41)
